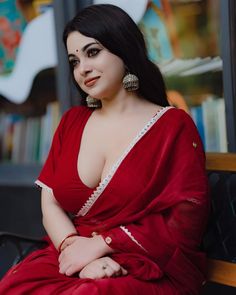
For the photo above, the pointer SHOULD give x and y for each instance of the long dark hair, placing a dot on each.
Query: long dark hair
(116, 31)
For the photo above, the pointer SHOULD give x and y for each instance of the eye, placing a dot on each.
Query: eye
(93, 52)
(73, 63)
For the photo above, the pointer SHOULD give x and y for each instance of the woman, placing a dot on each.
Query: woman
(128, 167)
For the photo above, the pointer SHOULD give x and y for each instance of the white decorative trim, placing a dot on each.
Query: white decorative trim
(132, 237)
(42, 185)
(103, 184)
(194, 200)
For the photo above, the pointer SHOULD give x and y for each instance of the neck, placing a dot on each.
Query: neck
(120, 104)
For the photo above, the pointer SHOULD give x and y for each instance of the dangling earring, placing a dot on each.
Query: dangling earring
(130, 82)
(93, 102)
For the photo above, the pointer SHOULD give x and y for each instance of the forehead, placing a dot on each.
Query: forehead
(76, 41)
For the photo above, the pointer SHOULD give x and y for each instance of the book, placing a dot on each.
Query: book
(49, 124)
(214, 124)
(221, 125)
(197, 116)
(28, 140)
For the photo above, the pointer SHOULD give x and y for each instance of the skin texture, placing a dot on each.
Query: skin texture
(94, 60)
(99, 73)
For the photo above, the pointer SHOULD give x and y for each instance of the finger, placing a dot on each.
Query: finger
(112, 263)
(124, 271)
(71, 269)
(63, 268)
(64, 264)
(59, 257)
(88, 273)
(92, 275)
(109, 271)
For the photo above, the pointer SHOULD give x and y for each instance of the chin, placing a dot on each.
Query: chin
(97, 95)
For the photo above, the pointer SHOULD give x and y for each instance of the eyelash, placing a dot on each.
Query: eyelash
(73, 63)
(91, 52)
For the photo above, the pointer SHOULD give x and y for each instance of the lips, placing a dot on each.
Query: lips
(90, 82)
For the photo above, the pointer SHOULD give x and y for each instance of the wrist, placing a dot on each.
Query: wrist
(105, 249)
(62, 244)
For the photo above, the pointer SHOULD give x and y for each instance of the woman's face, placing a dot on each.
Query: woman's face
(97, 71)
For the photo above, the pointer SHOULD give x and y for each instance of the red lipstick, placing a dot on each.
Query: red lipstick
(91, 81)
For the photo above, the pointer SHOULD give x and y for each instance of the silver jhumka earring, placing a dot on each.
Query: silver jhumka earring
(130, 82)
(93, 102)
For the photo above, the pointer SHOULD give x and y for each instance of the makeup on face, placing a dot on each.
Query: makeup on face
(90, 50)
(91, 81)
(96, 70)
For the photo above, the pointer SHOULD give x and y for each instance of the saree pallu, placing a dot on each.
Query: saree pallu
(151, 208)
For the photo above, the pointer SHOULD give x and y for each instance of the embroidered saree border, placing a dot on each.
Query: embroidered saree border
(129, 234)
(103, 184)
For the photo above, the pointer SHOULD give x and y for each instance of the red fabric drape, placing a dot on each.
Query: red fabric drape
(153, 210)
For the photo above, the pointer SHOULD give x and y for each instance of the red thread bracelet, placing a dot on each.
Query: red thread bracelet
(69, 236)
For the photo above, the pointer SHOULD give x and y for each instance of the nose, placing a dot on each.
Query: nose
(84, 68)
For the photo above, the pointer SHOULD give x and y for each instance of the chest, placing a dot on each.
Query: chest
(102, 145)
(76, 180)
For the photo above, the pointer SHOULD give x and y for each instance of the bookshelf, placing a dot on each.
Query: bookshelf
(192, 43)
(26, 128)
(198, 78)
(19, 197)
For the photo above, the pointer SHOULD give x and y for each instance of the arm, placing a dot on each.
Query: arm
(55, 220)
(80, 251)
(77, 251)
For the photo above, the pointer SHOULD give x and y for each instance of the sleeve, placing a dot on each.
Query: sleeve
(168, 238)
(45, 179)
(151, 247)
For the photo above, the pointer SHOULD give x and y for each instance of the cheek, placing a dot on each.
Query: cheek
(116, 70)
(77, 78)
(117, 75)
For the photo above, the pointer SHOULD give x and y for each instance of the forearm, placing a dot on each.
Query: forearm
(57, 225)
(56, 222)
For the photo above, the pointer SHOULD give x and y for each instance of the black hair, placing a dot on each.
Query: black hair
(115, 30)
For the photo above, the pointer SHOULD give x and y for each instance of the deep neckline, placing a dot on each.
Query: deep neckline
(120, 159)
(98, 191)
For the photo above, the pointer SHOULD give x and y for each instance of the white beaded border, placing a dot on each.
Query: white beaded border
(42, 185)
(102, 185)
(132, 237)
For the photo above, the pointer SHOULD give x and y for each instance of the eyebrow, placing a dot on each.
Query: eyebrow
(84, 48)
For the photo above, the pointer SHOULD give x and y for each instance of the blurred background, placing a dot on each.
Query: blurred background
(192, 41)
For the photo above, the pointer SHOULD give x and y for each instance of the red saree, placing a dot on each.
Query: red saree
(151, 208)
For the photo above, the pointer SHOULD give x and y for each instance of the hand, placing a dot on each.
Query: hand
(80, 251)
(104, 267)
(67, 242)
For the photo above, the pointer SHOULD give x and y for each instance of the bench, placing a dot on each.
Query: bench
(220, 239)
